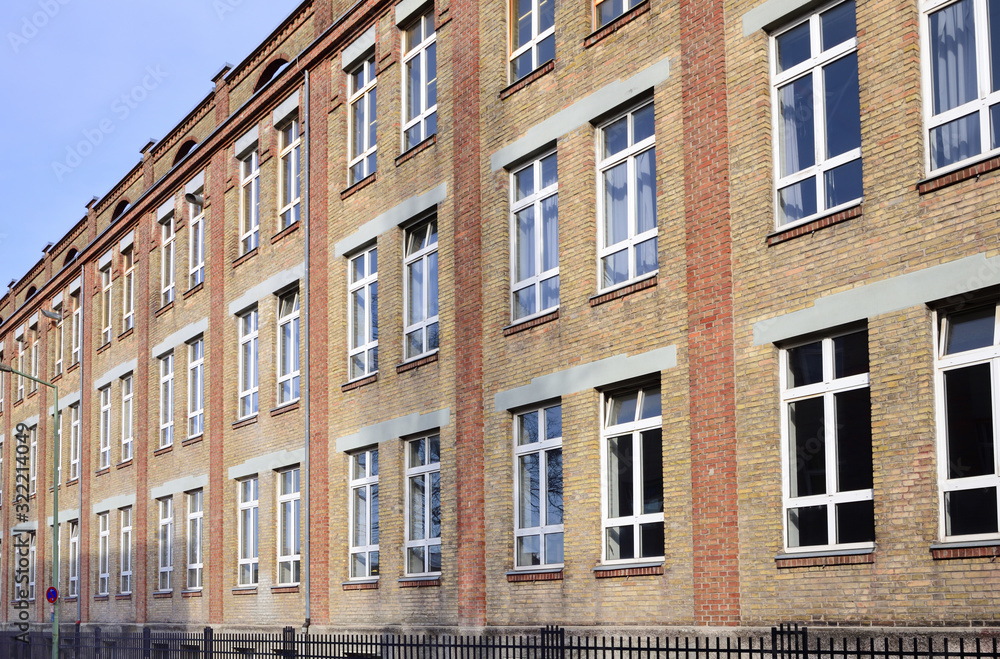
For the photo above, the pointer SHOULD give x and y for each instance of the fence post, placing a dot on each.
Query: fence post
(76, 641)
(146, 642)
(288, 642)
(97, 641)
(209, 650)
(788, 641)
(553, 642)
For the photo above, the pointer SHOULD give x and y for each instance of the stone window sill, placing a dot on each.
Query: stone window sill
(419, 582)
(246, 257)
(104, 347)
(243, 423)
(73, 367)
(291, 588)
(194, 289)
(417, 363)
(165, 308)
(193, 440)
(518, 85)
(101, 598)
(783, 235)
(101, 472)
(245, 590)
(975, 170)
(360, 185)
(628, 289)
(163, 594)
(615, 25)
(630, 570)
(525, 325)
(357, 384)
(122, 465)
(526, 576)
(292, 228)
(367, 584)
(191, 593)
(825, 558)
(123, 596)
(956, 550)
(162, 451)
(127, 333)
(419, 148)
(286, 407)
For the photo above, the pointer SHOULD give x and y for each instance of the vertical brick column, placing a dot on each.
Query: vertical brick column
(87, 421)
(43, 471)
(319, 371)
(215, 420)
(141, 450)
(7, 482)
(466, 172)
(710, 314)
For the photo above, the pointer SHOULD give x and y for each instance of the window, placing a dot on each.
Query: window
(248, 532)
(59, 446)
(961, 81)
(421, 289)
(363, 311)
(817, 115)
(827, 449)
(127, 394)
(248, 364)
(423, 505)
(74, 441)
(1, 469)
(77, 328)
(167, 400)
(103, 553)
(361, 82)
(165, 543)
(632, 451)
(534, 231)
(968, 477)
(364, 514)
(288, 348)
(196, 253)
(34, 337)
(196, 387)
(538, 486)
(32, 564)
(606, 11)
(125, 551)
(289, 552)
(21, 356)
(249, 202)
(289, 145)
(532, 35)
(128, 296)
(195, 515)
(33, 460)
(627, 200)
(419, 81)
(167, 258)
(57, 349)
(3, 385)
(106, 305)
(74, 558)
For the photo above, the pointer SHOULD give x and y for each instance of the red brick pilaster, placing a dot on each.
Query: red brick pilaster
(87, 421)
(142, 512)
(710, 314)
(468, 314)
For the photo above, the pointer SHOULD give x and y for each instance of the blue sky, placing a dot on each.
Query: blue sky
(86, 84)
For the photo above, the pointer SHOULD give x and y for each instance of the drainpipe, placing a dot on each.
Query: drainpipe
(305, 371)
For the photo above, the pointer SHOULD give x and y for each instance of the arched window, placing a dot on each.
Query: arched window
(70, 255)
(270, 71)
(120, 208)
(30, 293)
(185, 149)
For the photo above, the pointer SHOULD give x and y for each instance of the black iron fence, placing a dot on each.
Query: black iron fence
(784, 642)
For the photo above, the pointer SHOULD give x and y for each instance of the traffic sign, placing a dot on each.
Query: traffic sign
(52, 595)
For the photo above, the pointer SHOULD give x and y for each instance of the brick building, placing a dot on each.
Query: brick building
(464, 314)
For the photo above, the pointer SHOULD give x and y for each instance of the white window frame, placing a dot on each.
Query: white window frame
(627, 6)
(35, 356)
(77, 329)
(196, 387)
(627, 156)
(984, 97)
(535, 202)
(543, 447)
(59, 446)
(533, 43)
(125, 551)
(103, 553)
(422, 540)
(248, 551)
(421, 254)
(105, 428)
(943, 363)
(362, 355)
(128, 288)
(195, 527)
(74, 442)
(421, 52)
(168, 259)
(811, 67)
(827, 388)
(106, 284)
(289, 159)
(128, 394)
(288, 349)
(248, 323)
(249, 213)
(166, 363)
(635, 429)
(33, 460)
(288, 539)
(361, 157)
(57, 349)
(363, 544)
(74, 558)
(32, 564)
(196, 253)
(165, 544)
(21, 358)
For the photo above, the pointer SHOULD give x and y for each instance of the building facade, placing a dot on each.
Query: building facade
(456, 315)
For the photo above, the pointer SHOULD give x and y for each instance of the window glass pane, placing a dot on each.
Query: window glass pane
(524, 302)
(807, 526)
(837, 25)
(995, 125)
(955, 141)
(615, 270)
(843, 184)
(546, 14)
(524, 183)
(550, 168)
(620, 543)
(374, 514)
(650, 403)
(652, 472)
(528, 551)
(434, 558)
(527, 428)
(415, 306)
(970, 330)
(550, 233)
(856, 521)
(524, 264)
(993, 27)
(969, 412)
(616, 204)
(550, 292)
(522, 34)
(417, 453)
(642, 124)
(622, 408)
(432, 284)
(797, 200)
(554, 487)
(554, 548)
(431, 81)
(553, 422)
(620, 476)
(645, 191)
(616, 137)
(854, 440)
(796, 141)
(970, 511)
(645, 257)
(807, 447)
(805, 364)
(843, 106)
(360, 517)
(413, 88)
(793, 47)
(528, 476)
(418, 508)
(651, 539)
(435, 505)
(952, 33)
(850, 354)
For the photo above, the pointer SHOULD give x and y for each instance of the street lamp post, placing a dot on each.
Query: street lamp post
(55, 499)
